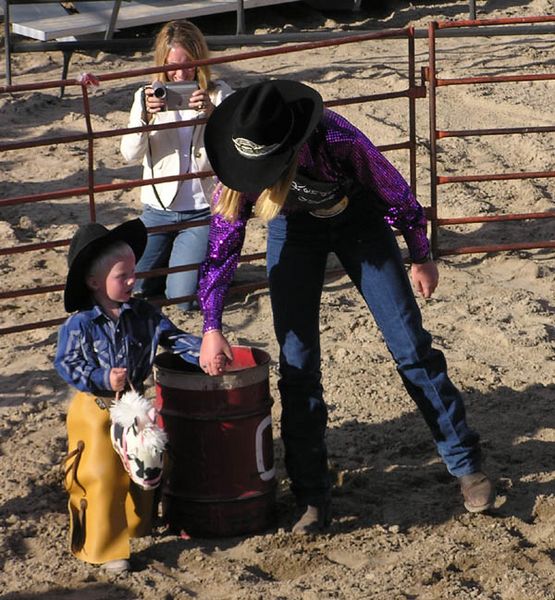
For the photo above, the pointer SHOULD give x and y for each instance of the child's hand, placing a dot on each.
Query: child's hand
(118, 377)
(221, 360)
(215, 351)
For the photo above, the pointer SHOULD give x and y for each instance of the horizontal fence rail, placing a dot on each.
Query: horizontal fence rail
(92, 188)
(431, 82)
(430, 75)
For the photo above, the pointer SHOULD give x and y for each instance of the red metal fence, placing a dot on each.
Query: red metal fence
(434, 82)
(411, 93)
(92, 188)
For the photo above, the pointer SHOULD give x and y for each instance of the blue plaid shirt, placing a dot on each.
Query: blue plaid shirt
(90, 344)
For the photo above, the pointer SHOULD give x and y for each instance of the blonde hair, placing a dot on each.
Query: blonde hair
(190, 38)
(117, 251)
(269, 202)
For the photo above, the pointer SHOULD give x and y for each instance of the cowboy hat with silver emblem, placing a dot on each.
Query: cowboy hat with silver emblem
(254, 134)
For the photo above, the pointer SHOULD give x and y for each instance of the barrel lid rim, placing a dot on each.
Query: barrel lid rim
(264, 364)
(200, 381)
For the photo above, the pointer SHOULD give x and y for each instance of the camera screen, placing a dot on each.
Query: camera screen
(178, 94)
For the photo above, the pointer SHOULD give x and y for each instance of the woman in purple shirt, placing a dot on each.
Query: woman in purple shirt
(323, 187)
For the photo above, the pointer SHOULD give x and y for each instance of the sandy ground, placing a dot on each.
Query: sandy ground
(400, 530)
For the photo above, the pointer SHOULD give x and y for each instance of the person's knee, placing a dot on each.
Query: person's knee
(180, 286)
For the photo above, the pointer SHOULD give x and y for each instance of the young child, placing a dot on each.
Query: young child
(107, 347)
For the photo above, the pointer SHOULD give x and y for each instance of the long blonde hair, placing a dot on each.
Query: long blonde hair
(189, 37)
(270, 201)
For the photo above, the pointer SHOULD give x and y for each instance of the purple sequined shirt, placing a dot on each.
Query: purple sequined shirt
(354, 156)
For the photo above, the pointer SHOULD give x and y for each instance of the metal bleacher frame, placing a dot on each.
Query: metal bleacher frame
(68, 47)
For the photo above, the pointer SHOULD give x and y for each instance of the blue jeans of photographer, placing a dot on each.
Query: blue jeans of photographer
(172, 249)
(298, 245)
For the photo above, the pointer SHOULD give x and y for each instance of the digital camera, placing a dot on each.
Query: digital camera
(177, 94)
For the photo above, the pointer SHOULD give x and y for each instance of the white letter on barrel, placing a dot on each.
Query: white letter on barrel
(264, 475)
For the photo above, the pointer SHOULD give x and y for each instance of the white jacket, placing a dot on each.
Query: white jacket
(164, 157)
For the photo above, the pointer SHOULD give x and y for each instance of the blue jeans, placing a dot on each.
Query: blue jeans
(298, 246)
(172, 249)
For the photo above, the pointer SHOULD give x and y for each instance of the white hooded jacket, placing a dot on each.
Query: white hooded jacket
(164, 158)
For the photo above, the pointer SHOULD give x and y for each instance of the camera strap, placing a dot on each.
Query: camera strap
(179, 183)
(154, 187)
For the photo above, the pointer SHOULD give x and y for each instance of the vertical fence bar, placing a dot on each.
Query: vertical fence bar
(90, 151)
(412, 110)
(7, 41)
(433, 135)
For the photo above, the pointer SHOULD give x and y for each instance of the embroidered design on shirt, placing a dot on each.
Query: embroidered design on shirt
(309, 195)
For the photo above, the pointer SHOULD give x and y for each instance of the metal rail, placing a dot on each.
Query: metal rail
(515, 26)
(90, 136)
(430, 74)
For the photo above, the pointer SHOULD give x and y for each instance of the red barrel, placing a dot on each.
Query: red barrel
(220, 479)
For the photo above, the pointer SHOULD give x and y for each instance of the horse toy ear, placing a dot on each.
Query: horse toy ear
(129, 408)
(138, 439)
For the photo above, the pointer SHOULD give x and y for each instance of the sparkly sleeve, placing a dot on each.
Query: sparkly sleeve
(367, 165)
(225, 242)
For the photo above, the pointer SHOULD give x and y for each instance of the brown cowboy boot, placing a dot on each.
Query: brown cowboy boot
(478, 492)
(314, 519)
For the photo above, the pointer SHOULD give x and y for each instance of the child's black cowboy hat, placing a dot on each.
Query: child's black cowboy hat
(87, 243)
(254, 134)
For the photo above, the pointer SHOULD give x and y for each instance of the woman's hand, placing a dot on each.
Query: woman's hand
(200, 101)
(152, 103)
(425, 278)
(215, 352)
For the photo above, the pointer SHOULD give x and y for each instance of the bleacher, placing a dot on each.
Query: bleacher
(48, 20)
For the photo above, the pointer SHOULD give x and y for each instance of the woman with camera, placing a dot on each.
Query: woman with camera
(184, 94)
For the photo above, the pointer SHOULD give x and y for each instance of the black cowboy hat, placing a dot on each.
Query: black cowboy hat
(254, 134)
(87, 243)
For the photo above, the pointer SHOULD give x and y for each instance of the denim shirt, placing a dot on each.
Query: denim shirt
(90, 344)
